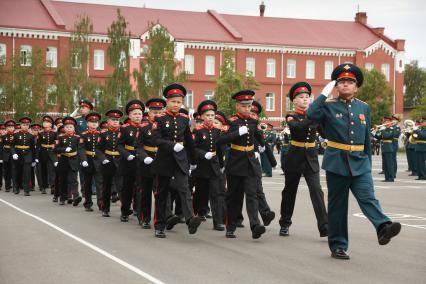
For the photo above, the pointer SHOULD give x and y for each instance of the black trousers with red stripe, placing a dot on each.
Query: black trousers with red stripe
(209, 189)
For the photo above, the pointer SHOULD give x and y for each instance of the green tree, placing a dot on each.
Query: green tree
(159, 67)
(420, 110)
(376, 92)
(414, 80)
(36, 103)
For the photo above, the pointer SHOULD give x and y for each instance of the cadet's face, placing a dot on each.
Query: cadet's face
(301, 101)
(174, 104)
(208, 116)
(114, 122)
(47, 124)
(136, 115)
(69, 128)
(347, 88)
(217, 123)
(25, 126)
(92, 124)
(34, 131)
(84, 110)
(244, 109)
(154, 112)
(10, 128)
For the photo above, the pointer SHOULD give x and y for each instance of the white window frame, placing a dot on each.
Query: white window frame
(189, 99)
(328, 69)
(52, 57)
(250, 66)
(386, 70)
(98, 59)
(271, 64)
(189, 64)
(51, 89)
(76, 59)
(3, 53)
(291, 68)
(209, 94)
(310, 69)
(210, 65)
(369, 66)
(270, 102)
(288, 104)
(25, 53)
(122, 60)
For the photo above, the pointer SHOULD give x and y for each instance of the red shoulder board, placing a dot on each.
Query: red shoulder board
(124, 125)
(233, 118)
(84, 132)
(160, 114)
(104, 130)
(225, 128)
(143, 124)
(193, 136)
(199, 127)
(76, 135)
(154, 125)
(184, 115)
(61, 134)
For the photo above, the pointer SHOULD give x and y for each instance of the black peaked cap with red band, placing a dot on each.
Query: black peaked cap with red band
(114, 113)
(135, 104)
(25, 119)
(206, 105)
(299, 88)
(86, 103)
(256, 107)
(174, 90)
(244, 96)
(69, 120)
(156, 103)
(348, 71)
(93, 116)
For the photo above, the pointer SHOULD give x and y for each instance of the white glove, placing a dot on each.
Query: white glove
(178, 147)
(15, 157)
(68, 149)
(33, 164)
(85, 164)
(192, 167)
(1, 161)
(130, 157)
(381, 128)
(208, 155)
(257, 155)
(36, 160)
(148, 160)
(262, 149)
(328, 89)
(222, 170)
(104, 162)
(242, 130)
(55, 164)
(415, 128)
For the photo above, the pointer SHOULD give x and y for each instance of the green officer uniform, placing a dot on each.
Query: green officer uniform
(420, 138)
(347, 162)
(396, 134)
(386, 138)
(411, 155)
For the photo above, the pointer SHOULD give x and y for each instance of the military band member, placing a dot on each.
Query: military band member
(242, 168)
(419, 136)
(67, 147)
(46, 155)
(345, 121)
(302, 159)
(6, 154)
(395, 142)
(385, 134)
(171, 165)
(23, 154)
(89, 160)
(110, 157)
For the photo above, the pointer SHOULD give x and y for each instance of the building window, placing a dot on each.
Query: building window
(328, 69)
(25, 55)
(122, 61)
(76, 59)
(52, 57)
(270, 68)
(98, 59)
(369, 66)
(250, 66)
(310, 69)
(208, 95)
(189, 99)
(2, 54)
(270, 101)
(288, 104)
(291, 68)
(386, 70)
(189, 64)
(210, 64)
(51, 98)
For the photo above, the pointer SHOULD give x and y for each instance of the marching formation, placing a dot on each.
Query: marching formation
(166, 169)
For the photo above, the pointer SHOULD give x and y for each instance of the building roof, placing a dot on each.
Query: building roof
(192, 26)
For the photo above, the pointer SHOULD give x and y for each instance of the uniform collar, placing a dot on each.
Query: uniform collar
(92, 131)
(168, 112)
(70, 134)
(211, 126)
(113, 129)
(346, 101)
(301, 111)
(23, 131)
(242, 116)
(135, 124)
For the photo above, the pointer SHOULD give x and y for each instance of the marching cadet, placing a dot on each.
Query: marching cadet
(147, 151)
(302, 159)
(347, 159)
(23, 154)
(59, 130)
(67, 147)
(385, 135)
(46, 155)
(6, 155)
(243, 168)
(90, 162)
(36, 171)
(129, 134)
(110, 157)
(419, 136)
(395, 142)
(171, 166)
(209, 161)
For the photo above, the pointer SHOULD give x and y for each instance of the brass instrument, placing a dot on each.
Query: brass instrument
(381, 127)
(75, 112)
(263, 126)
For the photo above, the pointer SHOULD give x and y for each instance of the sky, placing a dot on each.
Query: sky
(402, 19)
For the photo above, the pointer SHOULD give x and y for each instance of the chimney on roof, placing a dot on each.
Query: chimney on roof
(400, 44)
(361, 17)
(262, 9)
(379, 31)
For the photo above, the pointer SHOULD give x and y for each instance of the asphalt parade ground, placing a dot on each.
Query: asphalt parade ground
(42, 242)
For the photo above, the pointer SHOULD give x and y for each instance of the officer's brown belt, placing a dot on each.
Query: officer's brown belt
(150, 148)
(22, 147)
(50, 146)
(302, 144)
(112, 153)
(345, 147)
(128, 147)
(395, 138)
(387, 141)
(242, 148)
(421, 141)
(90, 153)
(70, 154)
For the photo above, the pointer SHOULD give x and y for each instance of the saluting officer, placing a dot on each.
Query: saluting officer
(302, 159)
(347, 159)
(85, 106)
(171, 166)
(6, 156)
(23, 153)
(243, 168)
(46, 155)
(89, 141)
(110, 157)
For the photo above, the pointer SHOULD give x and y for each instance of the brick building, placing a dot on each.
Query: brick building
(278, 51)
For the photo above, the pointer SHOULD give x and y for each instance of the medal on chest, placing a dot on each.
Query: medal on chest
(149, 132)
(131, 133)
(167, 124)
(204, 136)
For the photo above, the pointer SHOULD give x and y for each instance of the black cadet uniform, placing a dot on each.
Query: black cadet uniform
(302, 158)
(242, 167)
(46, 155)
(171, 165)
(36, 169)
(6, 156)
(91, 164)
